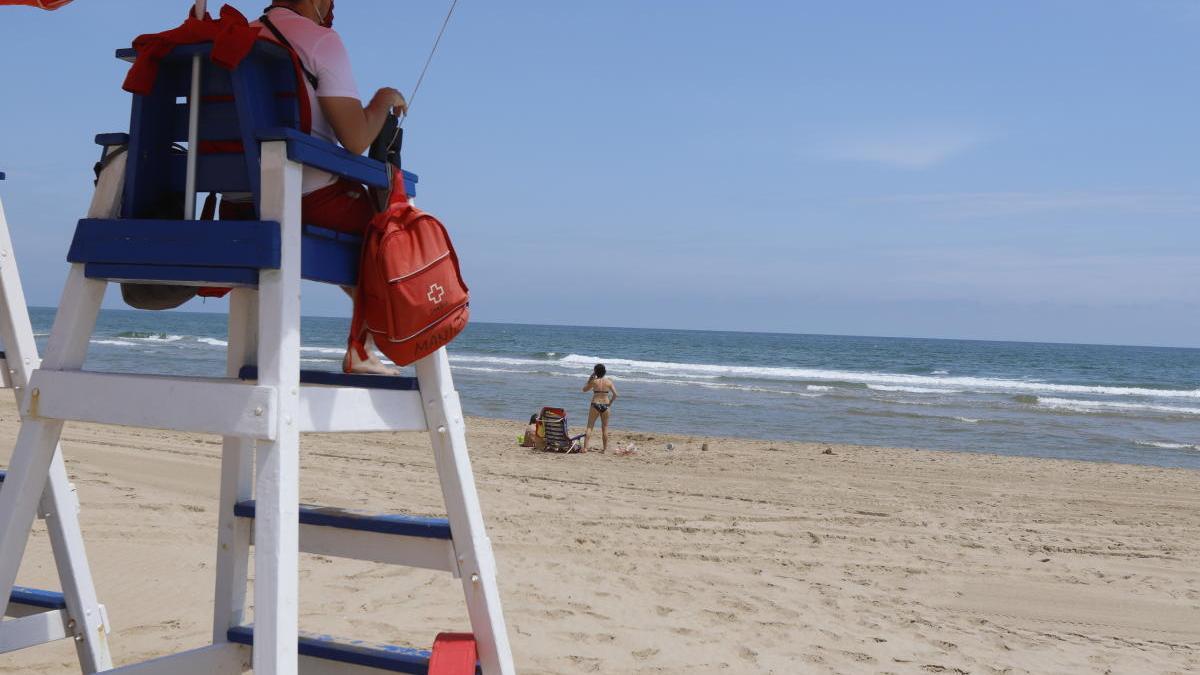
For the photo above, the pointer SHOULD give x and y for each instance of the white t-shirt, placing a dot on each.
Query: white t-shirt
(321, 51)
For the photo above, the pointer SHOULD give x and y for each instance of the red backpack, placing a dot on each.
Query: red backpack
(411, 297)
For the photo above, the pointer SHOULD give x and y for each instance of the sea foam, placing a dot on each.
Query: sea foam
(911, 390)
(1077, 405)
(980, 384)
(1166, 445)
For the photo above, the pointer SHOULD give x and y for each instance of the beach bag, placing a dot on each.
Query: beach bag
(106, 204)
(411, 296)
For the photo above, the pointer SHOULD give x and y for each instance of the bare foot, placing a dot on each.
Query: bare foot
(351, 363)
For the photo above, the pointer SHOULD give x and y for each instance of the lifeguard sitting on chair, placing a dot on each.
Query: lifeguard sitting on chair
(338, 116)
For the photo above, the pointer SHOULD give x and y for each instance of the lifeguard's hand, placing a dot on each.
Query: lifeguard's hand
(393, 99)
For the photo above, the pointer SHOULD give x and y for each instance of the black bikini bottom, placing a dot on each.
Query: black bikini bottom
(600, 407)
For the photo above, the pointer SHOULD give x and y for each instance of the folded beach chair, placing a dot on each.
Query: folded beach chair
(554, 425)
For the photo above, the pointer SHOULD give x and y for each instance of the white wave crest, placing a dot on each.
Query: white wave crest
(498, 360)
(983, 384)
(1077, 405)
(484, 369)
(212, 341)
(324, 350)
(1167, 446)
(818, 387)
(117, 343)
(723, 385)
(911, 390)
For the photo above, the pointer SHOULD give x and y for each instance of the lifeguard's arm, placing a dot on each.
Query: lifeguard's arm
(357, 125)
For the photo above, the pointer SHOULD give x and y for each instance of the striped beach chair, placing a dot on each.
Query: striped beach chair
(558, 438)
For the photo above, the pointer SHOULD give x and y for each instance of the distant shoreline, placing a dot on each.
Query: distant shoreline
(621, 435)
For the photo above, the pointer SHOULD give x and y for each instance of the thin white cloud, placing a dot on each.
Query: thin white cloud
(912, 149)
(1003, 204)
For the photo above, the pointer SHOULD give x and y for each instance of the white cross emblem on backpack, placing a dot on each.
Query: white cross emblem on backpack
(436, 292)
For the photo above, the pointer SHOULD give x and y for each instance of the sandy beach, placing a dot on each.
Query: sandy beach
(719, 555)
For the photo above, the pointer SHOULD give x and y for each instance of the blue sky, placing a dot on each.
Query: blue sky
(1018, 170)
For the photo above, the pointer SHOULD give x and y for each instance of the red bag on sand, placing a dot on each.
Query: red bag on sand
(410, 297)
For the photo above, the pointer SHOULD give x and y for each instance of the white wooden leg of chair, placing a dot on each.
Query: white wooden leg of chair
(62, 524)
(17, 332)
(443, 414)
(237, 479)
(277, 484)
(58, 503)
(37, 441)
(27, 473)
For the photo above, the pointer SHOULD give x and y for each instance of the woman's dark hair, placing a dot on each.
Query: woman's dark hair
(599, 370)
(533, 418)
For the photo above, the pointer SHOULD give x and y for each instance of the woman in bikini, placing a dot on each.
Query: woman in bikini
(603, 395)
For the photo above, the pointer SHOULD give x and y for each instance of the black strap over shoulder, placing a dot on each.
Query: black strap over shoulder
(266, 21)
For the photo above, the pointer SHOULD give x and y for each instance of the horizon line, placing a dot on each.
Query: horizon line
(709, 330)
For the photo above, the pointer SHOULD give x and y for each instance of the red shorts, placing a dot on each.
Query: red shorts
(344, 206)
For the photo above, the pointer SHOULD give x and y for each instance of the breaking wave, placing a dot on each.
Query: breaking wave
(1167, 446)
(1076, 405)
(910, 390)
(979, 384)
(149, 337)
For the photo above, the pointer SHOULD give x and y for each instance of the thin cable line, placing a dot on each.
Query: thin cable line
(428, 60)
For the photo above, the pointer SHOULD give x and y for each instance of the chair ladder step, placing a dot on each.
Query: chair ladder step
(327, 378)
(33, 597)
(378, 656)
(326, 516)
(394, 539)
(35, 617)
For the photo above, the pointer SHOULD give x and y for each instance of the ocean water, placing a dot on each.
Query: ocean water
(1137, 405)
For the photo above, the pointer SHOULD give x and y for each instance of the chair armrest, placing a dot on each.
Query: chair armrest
(312, 151)
(116, 138)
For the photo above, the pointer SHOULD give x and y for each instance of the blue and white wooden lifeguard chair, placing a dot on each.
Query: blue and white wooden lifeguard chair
(39, 616)
(265, 401)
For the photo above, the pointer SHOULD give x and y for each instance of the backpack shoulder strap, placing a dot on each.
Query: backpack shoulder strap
(266, 21)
